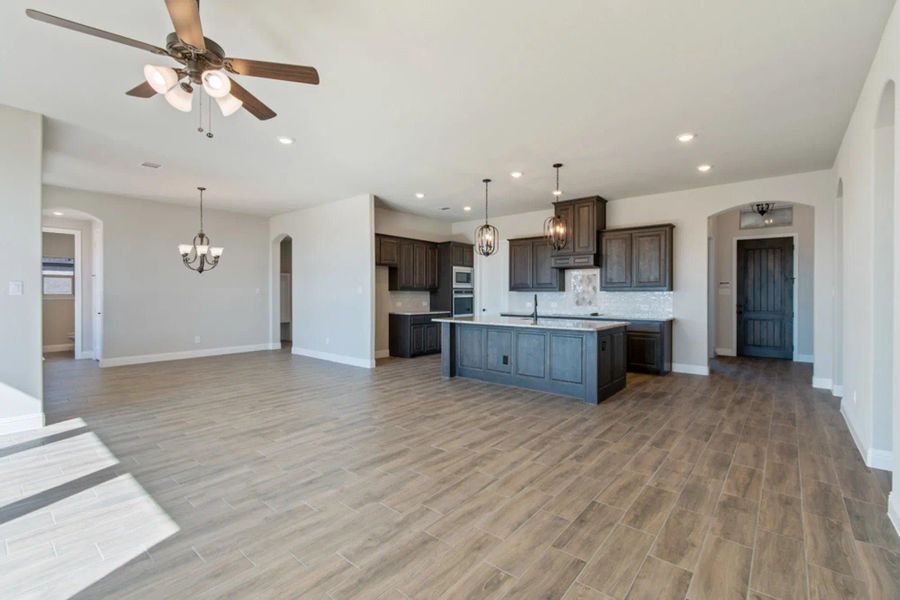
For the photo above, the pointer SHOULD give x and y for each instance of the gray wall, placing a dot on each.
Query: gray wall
(20, 260)
(152, 303)
(58, 312)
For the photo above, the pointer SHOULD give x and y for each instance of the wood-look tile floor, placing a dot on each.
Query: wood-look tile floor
(289, 477)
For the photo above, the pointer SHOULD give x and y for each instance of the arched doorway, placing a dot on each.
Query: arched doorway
(883, 281)
(282, 321)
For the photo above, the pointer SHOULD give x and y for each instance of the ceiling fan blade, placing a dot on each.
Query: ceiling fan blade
(253, 105)
(59, 22)
(142, 91)
(185, 16)
(270, 70)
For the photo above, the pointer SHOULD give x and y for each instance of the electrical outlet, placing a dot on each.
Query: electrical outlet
(196, 339)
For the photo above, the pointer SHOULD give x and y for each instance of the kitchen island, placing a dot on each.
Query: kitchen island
(582, 359)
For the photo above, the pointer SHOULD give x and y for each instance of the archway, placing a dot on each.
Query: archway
(282, 321)
(883, 327)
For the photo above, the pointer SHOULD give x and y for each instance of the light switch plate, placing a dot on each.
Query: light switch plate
(16, 288)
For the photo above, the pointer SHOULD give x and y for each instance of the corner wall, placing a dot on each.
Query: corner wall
(21, 386)
(333, 279)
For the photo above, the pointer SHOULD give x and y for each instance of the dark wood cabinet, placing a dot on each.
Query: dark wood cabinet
(414, 335)
(650, 347)
(584, 219)
(413, 264)
(637, 259)
(461, 255)
(531, 267)
(447, 256)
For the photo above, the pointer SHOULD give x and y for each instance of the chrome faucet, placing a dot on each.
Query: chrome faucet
(534, 315)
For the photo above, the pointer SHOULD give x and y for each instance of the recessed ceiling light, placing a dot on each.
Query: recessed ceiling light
(150, 165)
(57, 213)
(515, 174)
(684, 138)
(704, 168)
(467, 208)
(420, 195)
(283, 139)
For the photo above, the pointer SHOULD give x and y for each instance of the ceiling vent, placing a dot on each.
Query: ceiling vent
(150, 165)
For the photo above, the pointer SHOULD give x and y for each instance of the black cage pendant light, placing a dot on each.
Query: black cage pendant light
(199, 255)
(486, 236)
(554, 227)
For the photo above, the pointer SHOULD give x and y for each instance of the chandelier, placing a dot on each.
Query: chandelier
(554, 227)
(486, 236)
(199, 255)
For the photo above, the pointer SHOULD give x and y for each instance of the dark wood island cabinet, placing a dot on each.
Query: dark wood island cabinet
(414, 334)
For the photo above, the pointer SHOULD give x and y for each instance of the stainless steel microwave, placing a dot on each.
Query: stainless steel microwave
(463, 277)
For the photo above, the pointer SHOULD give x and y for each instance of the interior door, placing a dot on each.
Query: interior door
(765, 298)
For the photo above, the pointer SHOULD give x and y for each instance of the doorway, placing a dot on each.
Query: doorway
(61, 291)
(765, 297)
(286, 320)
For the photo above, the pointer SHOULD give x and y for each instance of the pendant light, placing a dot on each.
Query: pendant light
(555, 231)
(762, 209)
(486, 236)
(199, 256)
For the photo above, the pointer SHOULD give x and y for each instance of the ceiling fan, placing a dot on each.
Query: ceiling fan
(203, 64)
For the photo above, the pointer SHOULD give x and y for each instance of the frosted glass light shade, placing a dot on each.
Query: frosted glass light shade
(161, 79)
(184, 249)
(229, 105)
(180, 99)
(216, 83)
(216, 251)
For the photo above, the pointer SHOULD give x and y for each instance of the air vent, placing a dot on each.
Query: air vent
(445, 208)
(150, 165)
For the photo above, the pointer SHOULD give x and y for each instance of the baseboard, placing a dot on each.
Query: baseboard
(21, 423)
(382, 353)
(58, 347)
(880, 459)
(856, 440)
(121, 361)
(837, 391)
(690, 369)
(725, 352)
(365, 363)
(804, 358)
(274, 346)
(84, 354)
(822, 383)
(894, 510)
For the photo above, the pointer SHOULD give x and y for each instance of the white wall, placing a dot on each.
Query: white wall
(153, 306)
(855, 168)
(689, 210)
(21, 387)
(726, 231)
(333, 281)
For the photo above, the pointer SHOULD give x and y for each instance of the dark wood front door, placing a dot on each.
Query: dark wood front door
(765, 298)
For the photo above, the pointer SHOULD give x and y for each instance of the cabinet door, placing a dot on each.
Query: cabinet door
(432, 337)
(605, 360)
(520, 265)
(387, 251)
(566, 213)
(406, 268)
(417, 339)
(585, 227)
(457, 255)
(643, 351)
(432, 267)
(544, 276)
(420, 260)
(619, 354)
(617, 268)
(468, 256)
(650, 251)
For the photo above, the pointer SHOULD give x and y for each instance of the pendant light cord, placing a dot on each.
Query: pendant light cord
(486, 182)
(201, 208)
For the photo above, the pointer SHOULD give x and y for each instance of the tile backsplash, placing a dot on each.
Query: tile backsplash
(583, 296)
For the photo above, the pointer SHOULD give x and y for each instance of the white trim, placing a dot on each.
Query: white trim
(273, 346)
(365, 363)
(795, 319)
(58, 347)
(21, 423)
(382, 353)
(821, 383)
(880, 459)
(803, 358)
(690, 369)
(725, 352)
(853, 434)
(186, 354)
(837, 391)
(894, 510)
(78, 316)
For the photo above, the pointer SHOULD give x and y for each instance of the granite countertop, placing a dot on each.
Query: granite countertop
(570, 325)
(422, 312)
(597, 317)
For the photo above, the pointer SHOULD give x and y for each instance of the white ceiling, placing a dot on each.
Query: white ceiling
(435, 95)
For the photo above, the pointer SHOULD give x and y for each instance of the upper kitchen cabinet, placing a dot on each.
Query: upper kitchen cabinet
(584, 219)
(530, 266)
(637, 259)
(413, 264)
(387, 251)
(461, 255)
